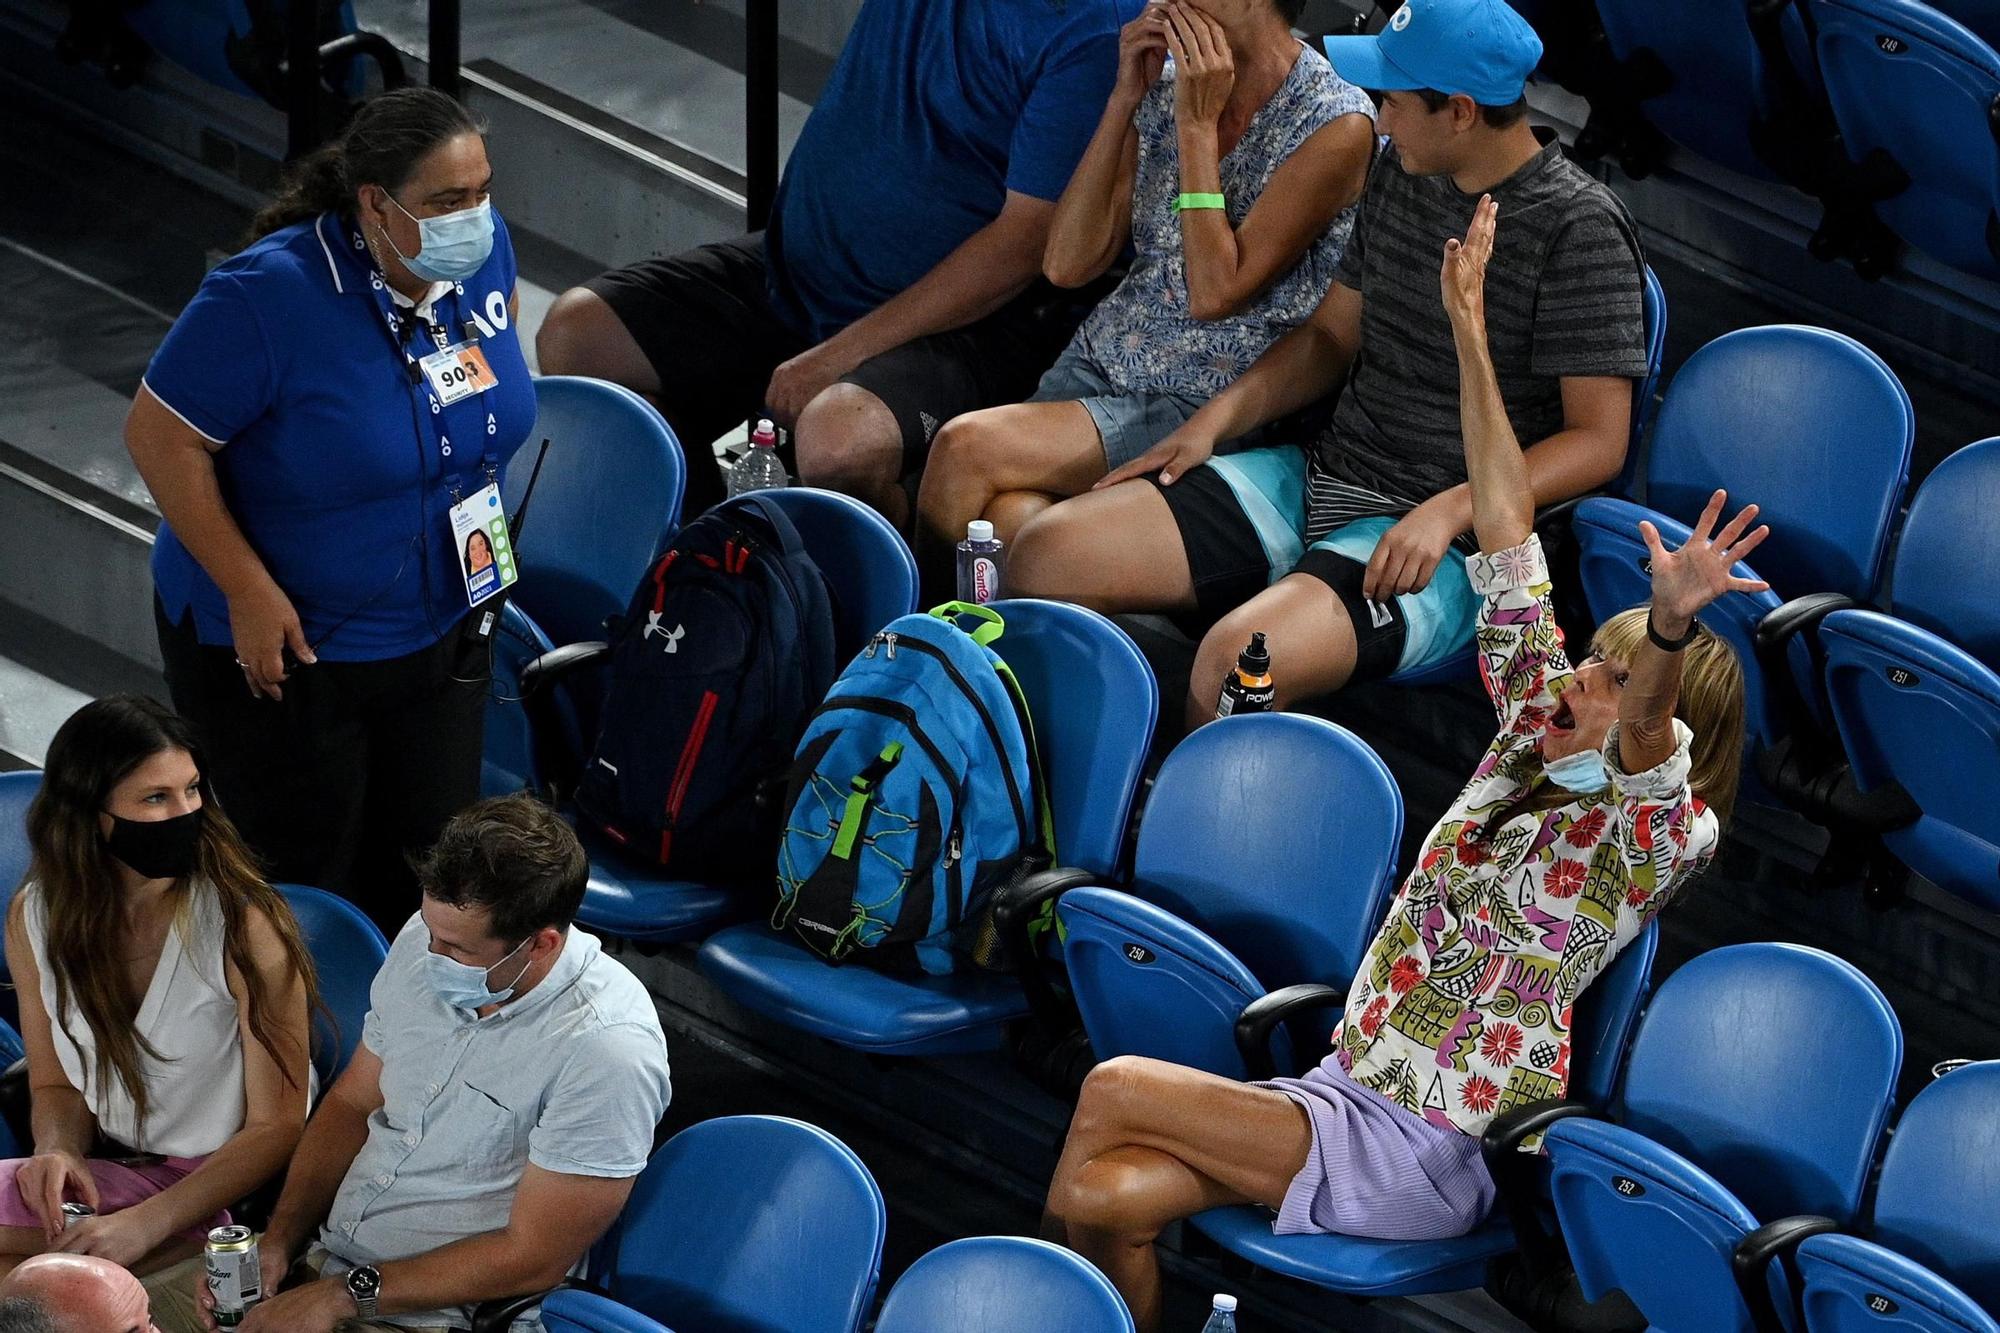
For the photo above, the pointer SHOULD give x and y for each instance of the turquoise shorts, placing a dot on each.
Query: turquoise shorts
(1242, 525)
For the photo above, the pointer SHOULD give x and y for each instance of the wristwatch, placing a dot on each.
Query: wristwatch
(364, 1284)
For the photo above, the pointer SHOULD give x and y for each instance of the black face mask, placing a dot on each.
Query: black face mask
(156, 848)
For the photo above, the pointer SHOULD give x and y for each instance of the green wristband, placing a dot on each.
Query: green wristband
(1184, 202)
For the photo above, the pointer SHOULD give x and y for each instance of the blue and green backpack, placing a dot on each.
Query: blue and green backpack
(915, 791)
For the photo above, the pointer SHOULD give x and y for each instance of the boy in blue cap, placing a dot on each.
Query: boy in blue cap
(1361, 537)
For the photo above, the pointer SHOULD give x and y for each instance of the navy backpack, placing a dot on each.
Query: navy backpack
(915, 792)
(725, 649)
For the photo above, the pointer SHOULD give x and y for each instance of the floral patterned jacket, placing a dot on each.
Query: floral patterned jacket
(1461, 1008)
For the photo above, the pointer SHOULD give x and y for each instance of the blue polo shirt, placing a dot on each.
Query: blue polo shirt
(339, 470)
(935, 109)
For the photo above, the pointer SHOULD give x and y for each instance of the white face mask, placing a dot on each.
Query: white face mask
(463, 986)
(1582, 772)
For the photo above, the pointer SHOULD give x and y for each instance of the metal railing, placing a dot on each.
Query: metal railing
(307, 61)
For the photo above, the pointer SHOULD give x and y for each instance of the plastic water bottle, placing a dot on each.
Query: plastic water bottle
(1221, 1315)
(760, 469)
(979, 563)
(1248, 689)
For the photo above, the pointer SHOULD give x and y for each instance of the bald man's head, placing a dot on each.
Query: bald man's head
(84, 1293)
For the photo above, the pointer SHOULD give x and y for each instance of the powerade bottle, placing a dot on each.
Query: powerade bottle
(1248, 688)
(759, 469)
(979, 563)
(1222, 1315)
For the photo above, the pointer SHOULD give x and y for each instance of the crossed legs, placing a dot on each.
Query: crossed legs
(1152, 1143)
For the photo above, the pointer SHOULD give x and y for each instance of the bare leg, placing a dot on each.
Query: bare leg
(1009, 513)
(1051, 448)
(848, 441)
(1113, 550)
(584, 336)
(1307, 630)
(1154, 1142)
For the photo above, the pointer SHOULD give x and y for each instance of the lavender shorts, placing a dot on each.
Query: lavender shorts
(1376, 1170)
(118, 1186)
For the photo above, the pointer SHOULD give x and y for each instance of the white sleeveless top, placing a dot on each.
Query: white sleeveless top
(195, 1091)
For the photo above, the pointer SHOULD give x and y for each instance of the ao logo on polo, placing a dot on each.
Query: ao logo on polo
(490, 319)
(1402, 19)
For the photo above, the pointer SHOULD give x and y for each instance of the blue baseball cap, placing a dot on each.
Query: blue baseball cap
(1481, 48)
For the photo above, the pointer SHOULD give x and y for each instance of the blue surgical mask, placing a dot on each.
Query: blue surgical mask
(453, 247)
(1582, 772)
(463, 986)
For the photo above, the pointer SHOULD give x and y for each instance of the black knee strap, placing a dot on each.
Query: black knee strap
(1379, 627)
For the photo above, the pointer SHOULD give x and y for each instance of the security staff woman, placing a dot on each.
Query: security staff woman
(325, 402)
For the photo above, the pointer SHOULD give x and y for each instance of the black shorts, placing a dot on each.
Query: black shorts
(1226, 558)
(706, 322)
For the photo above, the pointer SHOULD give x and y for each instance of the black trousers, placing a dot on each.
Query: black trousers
(356, 769)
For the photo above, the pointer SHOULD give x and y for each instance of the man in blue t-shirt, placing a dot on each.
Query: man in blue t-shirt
(900, 282)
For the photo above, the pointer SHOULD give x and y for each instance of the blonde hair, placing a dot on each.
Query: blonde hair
(1710, 702)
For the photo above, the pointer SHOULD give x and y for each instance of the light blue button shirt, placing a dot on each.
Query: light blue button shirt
(571, 1077)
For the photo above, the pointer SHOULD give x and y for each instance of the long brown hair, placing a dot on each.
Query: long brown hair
(79, 883)
(382, 145)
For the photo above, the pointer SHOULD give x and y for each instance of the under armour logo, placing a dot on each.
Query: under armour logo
(672, 636)
(1402, 19)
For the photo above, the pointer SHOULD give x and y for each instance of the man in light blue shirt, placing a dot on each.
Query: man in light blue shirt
(490, 1126)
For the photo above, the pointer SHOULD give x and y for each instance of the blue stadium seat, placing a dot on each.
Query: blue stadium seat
(1246, 878)
(1750, 412)
(1605, 1018)
(1916, 695)
(587, 1312)
(17, 789)
(1003, 1284)
(1932, 1265)
(874, 580)
(1462, 666)
(607, 500)
(1094, 702)
(214, 40)
(750, 1224)
(508, 762)
(347, 950)
(1757, 1087)
(11, 1049)
(1910, 85)
(1699, 75)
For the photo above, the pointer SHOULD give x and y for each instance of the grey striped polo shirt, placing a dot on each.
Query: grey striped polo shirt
(1563, 298)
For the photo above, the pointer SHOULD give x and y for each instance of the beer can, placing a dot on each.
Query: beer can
(76, 1212)
(233, 1276)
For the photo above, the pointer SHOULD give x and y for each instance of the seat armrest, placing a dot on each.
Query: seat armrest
(1262, 1015)
(1751, 1263)
(1799, 616)
(1516, 1180)
(1564, 508)
(557, 663)
(1016, 905)
(495, 1316)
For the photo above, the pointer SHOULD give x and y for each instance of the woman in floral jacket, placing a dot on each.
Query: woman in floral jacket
(1602, 795)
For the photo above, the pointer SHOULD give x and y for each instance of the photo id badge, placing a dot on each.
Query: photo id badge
(485, 556)
(458, 372)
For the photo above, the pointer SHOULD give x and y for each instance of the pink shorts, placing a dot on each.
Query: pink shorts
(118, 1186)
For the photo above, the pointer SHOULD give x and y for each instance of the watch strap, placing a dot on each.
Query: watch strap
(1665, 644)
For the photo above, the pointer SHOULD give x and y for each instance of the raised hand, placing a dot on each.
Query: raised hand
(1204, 70)
(1142, 53)
(1687, 580)
(1463, 276)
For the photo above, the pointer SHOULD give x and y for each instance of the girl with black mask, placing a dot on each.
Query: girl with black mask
(165, 997)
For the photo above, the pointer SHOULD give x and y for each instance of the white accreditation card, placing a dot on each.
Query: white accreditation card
(485, 556)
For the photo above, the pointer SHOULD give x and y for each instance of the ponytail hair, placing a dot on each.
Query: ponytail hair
(381, 145)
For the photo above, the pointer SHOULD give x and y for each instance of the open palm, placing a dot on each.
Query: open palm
(1687, 580)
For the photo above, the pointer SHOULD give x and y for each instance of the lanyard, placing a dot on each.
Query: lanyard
(399, 326)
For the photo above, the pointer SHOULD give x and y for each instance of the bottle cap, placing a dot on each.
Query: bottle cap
(1225, 1302)
(979, 530)
(1256, 658)
(767, 429)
